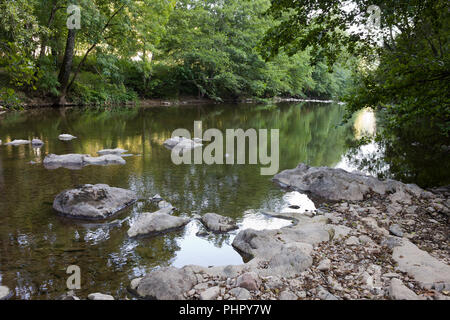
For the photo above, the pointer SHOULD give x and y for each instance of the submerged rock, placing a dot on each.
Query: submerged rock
(66, 137)
(337, 184)
(78, 161)
(155, 222)
(17, 142)
(181, 144)
(218, 223)
(93, 201)
(166, 284)
(116, 151)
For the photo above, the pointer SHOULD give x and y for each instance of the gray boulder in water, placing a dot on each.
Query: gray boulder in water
(78, 161)
(93, 201)
(218, 223)
(337, 184)
(150, 223)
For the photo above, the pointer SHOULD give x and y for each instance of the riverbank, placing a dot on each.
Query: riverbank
(182, 101)
(391, 244)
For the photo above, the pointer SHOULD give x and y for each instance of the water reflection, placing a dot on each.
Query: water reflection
(36, 246)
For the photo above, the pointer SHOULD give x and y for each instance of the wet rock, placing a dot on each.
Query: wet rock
(218, 223)
(240, 293)
(117, 152)
(210, 294)
(287, 295)
(17, 142)
(100, 296)
(425, 269)
(396, 230)
(167, 284)
(66, 137)
(37, 142)
(93, 201)
(398, 291)
(5, 293)
(249, 281)
(156, 222)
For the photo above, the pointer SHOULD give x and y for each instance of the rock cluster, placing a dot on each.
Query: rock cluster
(382, 240)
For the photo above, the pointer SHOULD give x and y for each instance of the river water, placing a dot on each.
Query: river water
(37, 245)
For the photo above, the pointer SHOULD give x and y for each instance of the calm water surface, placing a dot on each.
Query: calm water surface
(36, 245)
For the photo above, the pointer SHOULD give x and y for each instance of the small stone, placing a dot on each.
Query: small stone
(352, 241)
(287, 295)
(210, 294)
(4, 293)
(100, 296)
(248, 281)
(324, 265)
(240, 293)
(325, 295)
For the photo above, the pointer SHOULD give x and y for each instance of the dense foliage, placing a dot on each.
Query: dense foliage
(130, 49)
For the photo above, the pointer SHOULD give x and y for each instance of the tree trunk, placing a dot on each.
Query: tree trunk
(66, 68)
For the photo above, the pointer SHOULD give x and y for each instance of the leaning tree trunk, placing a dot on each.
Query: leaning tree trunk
(66, 68)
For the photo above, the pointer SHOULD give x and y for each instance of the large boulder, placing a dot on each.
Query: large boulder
(78, 161)
(166, 284)
(337, 184)
(156, 222)
(93, 201)
(218, 223)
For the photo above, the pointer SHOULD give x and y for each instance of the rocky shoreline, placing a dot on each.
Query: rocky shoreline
(370, 239)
